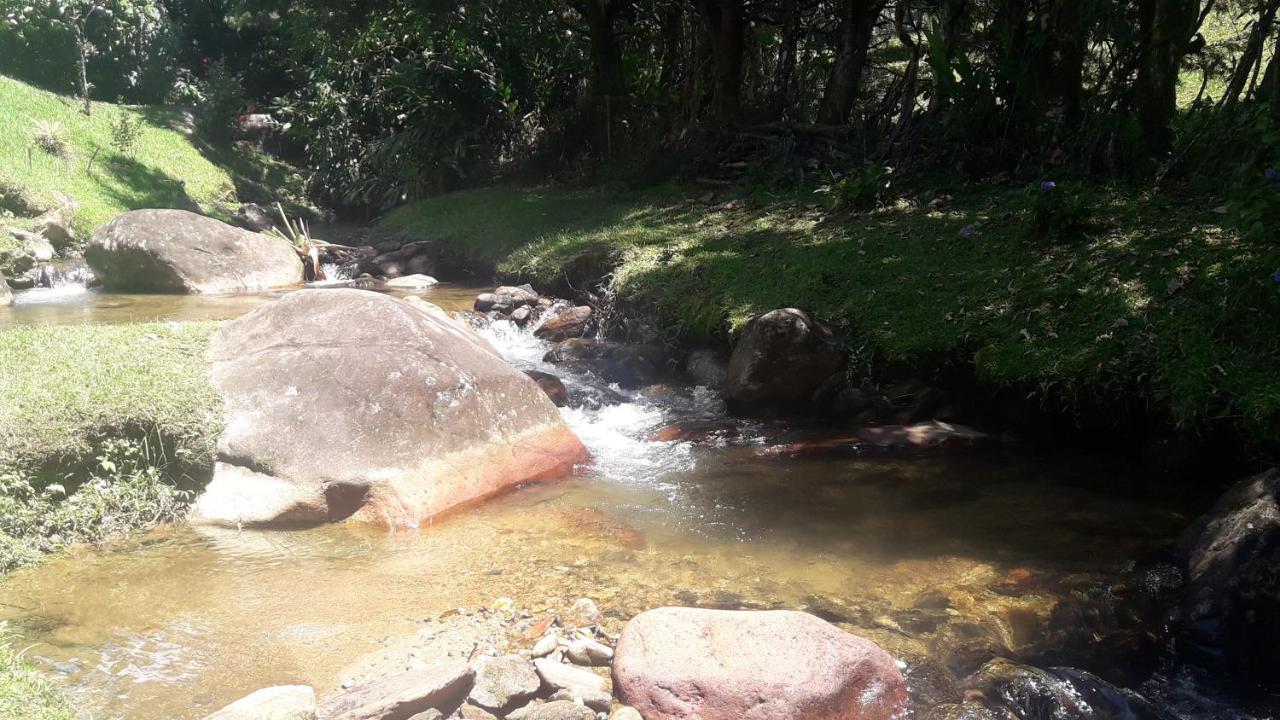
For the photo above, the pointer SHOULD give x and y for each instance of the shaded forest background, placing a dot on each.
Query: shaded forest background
(392, 100)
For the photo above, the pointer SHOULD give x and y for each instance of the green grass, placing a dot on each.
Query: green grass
(1159, 303)
(63, 388)
(24, 693)
(104, 429)
(168, 165)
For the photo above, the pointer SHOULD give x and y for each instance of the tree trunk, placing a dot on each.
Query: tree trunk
(1166, 29)
(727, 31)
(857, 21)
(1252, 54)
(82, 49)
(606, 53)
(672, 26)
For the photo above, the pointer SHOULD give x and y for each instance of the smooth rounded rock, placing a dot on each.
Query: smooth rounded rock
(674, 663)
(177, 251)
(353, 405)
(569, 323)
(284, 702)
(782, 357)
(412, 282)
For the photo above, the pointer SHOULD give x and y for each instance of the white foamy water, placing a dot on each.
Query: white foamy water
(617, 435)
(60, 293)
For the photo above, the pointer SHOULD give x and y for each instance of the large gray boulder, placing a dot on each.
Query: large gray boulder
(780, 360)
(177, 251)
(349, 404)
(284, 702)
(676, 663)
(1231, 558)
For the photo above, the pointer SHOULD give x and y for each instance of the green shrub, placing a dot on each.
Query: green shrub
(50, 137)
(125, 131)
(859, 190)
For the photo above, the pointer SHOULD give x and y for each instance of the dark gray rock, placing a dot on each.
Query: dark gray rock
(782, 358)
(707, 368)
(631, 366)
(181, 252)
(506, 299)
(253, 217)
(1232, 561)
(1031, 693)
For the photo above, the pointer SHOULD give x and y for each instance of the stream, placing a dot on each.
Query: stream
(920, 554)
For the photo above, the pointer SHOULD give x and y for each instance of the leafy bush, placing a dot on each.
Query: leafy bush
(219, 101)
(125, 490)
(125, 131)
(1060, 212)
(861, 189)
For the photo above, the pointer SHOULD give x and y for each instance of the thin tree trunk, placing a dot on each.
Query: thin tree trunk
(82, 49)
(1167, 27)
(785, 80)
(1252, 54)
(857, 21)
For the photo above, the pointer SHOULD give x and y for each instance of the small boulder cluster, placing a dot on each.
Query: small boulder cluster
(666, 664)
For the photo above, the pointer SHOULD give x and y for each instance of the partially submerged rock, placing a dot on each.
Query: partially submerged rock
(177, 251)
(1232, 562)
(675, 663)
(630, 366)
(1030, 693)
(412, 282)
(505, 299)
(926, 436)
(284, 702)
(402, 696)
(348, 404)
(551, 385)
(781, 359)
(569, 323)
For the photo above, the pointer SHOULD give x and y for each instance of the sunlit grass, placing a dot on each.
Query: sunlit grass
(24, 693)
(1157, 303)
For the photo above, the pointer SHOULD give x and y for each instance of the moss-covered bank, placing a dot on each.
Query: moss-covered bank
(102, 427)
(1157, 302)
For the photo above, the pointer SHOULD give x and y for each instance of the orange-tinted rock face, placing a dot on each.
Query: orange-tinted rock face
(346, 404)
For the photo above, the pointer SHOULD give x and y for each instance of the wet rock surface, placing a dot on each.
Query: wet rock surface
(1006, 689)
(571, 322)
(1231, 609)
(630, 366)
(180, 252)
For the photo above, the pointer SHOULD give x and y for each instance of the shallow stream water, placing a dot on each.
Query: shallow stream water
(909, 552)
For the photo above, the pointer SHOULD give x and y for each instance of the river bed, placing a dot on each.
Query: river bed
(915, 553)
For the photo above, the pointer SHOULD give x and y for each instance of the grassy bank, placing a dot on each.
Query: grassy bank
(95, 423)
(1155, 301)
(24, 693)
(49, 147)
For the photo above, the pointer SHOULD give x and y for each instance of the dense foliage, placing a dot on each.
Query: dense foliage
(390, 100)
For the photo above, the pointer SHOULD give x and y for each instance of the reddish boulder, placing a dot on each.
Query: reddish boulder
(675, 663)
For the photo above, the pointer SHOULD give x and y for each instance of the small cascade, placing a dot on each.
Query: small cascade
(56, 282)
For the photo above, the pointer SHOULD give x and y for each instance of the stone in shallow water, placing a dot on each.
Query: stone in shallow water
(503, 682)
(674, 663)
(585, 651)
(181, 252)
(400, 697)
(349, 404)
(285, 702)
(412, 282)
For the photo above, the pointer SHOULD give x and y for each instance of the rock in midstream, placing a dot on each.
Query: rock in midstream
(433, 418)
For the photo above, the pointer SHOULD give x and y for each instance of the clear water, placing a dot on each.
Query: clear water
(180, 621)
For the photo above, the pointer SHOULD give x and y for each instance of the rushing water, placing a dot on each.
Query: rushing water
(179, 621)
